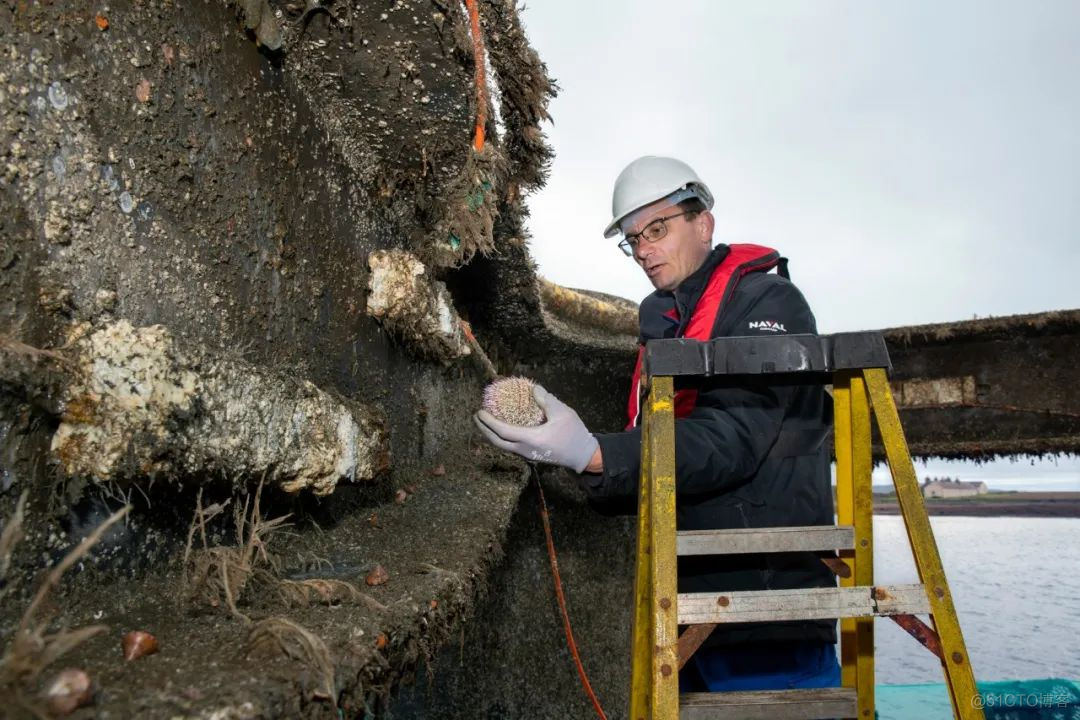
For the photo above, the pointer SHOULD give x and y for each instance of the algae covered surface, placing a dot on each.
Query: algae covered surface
(190, 194)
(436, 547)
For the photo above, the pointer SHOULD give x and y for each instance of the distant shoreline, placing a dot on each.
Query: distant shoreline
(994, 504)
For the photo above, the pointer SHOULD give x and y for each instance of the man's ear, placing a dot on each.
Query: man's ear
(706, 225)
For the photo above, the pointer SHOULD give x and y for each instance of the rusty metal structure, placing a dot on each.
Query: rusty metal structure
(989, 387)
(975, 389)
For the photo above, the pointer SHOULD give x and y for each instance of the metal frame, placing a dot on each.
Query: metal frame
(857, 364)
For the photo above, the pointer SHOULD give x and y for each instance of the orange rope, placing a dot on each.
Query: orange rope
(481, 83)
(562, 602)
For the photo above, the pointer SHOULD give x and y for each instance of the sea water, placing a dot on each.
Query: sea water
(1016, 585)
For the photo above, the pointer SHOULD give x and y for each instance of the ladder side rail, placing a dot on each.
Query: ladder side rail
(845, 515)
(663, 560)
(862, 469)
(641, 660)
(957, 664)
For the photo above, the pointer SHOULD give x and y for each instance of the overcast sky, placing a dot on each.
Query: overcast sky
(917, 161)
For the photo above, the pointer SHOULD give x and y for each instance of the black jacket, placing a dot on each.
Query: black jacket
(750, 454)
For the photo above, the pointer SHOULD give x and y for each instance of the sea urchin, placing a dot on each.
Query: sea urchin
(511, 400)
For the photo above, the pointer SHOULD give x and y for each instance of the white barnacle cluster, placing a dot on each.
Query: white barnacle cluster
(414, 307)
(133, 383)
(511, 400)
(140, 405)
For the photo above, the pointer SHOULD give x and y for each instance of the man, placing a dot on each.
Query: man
(748, 454)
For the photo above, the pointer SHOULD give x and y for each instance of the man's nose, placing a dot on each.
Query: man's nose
(643, 251)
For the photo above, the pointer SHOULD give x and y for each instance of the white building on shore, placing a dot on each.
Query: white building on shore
(950, 488)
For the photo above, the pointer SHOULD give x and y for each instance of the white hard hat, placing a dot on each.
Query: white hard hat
(649, 179)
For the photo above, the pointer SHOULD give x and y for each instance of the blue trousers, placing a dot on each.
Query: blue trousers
(776, 666)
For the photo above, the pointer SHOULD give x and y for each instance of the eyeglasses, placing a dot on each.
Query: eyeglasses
(654, 231)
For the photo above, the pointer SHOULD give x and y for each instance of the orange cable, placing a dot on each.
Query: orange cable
(481, 83)
(562, 602)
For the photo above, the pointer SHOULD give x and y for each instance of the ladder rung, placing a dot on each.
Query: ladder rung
(756, 540)
(804, 604)
(816, 704)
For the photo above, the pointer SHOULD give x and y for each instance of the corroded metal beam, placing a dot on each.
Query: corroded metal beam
(998, 386)
(973, 389)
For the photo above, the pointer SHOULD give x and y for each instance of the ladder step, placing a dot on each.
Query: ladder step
(816, 704)
(806, 604)
(757, 540)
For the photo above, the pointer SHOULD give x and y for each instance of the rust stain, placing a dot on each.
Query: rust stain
(81, 409)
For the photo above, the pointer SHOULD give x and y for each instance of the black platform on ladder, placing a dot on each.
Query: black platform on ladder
(783, 354)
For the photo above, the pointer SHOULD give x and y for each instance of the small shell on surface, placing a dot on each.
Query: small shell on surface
(70, 689)
(138, 643)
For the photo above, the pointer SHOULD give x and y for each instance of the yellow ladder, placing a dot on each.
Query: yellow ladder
(856, 364)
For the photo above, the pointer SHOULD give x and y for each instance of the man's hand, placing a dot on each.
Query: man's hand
(562, 440)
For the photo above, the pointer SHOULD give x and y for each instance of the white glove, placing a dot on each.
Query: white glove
(562, 440)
